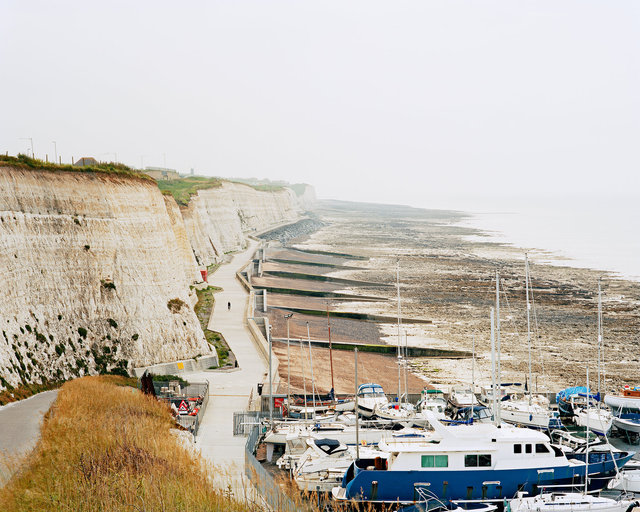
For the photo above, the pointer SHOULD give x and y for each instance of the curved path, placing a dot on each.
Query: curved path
(20, 429)
(229, 392)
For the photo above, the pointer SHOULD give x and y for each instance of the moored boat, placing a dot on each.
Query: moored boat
(627, 401)
(569, 502)
(369, 396)
(475, 462)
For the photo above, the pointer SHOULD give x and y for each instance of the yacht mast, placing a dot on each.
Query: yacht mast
(586, 459)
(399, 342)
(304, 380)
(493, 368)
(313, 384)
(499, 370)
(330, 353)
(355, 355)
(473, 364)
(600, 347)
(526, 277)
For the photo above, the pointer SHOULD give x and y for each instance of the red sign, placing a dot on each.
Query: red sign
(278, 402)
(183, 408)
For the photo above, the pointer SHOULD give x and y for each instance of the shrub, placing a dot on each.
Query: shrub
(28, 327)
(82, 332)
(135, 337)
(175, 305)
(59, 317)
(60, 349)
(112, 323)
(107, 284)
(87, 247)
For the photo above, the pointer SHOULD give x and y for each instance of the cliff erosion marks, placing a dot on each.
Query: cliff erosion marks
(217, 218)
(93, 264)
(88, 265)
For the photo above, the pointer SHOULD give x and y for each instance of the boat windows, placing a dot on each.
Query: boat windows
(528, 448)
(435, 461)
(517, 448)
(474, 461)
(541, 448)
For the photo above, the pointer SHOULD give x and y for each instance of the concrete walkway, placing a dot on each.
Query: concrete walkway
(20, 429)
(229, 392)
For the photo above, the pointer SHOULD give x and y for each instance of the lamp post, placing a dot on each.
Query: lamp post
(288, 317)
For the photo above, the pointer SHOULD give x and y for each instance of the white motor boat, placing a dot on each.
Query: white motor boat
(598, 420)
(628, 400)
(628, 481)
(398, 413)
(462, 397)
(532, 414)
(569, 502)
(322, 466)
(432, 402)
(369, 396)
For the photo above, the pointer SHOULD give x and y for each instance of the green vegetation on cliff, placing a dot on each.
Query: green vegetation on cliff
(182, 189)
(26, 162)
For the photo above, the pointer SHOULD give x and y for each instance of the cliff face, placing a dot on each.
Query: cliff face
(217, 219)
(94, 270)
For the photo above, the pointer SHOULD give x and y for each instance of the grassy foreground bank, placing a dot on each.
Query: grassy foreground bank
(107, 447)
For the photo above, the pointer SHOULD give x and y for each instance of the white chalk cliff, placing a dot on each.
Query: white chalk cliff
(95, 268)
(217, 219)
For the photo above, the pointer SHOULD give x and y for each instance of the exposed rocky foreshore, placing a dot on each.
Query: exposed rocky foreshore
(448, 276)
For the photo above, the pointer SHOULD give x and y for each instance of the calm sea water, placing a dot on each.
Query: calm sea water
(603, 234)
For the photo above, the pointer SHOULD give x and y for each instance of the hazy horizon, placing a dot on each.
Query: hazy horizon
(418, 103)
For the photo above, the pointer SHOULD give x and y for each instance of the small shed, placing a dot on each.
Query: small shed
(86, 161)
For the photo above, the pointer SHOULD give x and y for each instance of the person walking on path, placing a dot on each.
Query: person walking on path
(229, 306)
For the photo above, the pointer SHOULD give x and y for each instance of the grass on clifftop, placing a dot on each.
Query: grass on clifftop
(26, 162)
(182, 189)
(107, 447)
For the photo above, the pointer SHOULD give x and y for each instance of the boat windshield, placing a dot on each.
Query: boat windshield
(371, 392)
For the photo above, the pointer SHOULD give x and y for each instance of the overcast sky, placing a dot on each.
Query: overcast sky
(416, 102)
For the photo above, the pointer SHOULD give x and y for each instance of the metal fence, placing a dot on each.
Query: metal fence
(194, 394)
(263, 480)
(245, 421)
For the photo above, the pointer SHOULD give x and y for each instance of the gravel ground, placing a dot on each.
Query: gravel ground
(448, 276)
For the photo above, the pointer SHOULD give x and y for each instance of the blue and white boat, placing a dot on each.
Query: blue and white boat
(475, 462)
(370, 396)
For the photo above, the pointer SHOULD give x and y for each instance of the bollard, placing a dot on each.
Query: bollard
(374, 490)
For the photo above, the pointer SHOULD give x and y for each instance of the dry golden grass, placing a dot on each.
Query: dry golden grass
(107, 447)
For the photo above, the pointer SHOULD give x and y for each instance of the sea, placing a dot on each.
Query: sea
(596, 233)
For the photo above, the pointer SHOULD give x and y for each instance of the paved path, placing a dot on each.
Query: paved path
(20, 428)
(229, 392)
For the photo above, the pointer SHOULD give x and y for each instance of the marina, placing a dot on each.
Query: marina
(475, 443)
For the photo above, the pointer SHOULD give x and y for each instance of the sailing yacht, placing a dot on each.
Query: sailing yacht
(529, 410)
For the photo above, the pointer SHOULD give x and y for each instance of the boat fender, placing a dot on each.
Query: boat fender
(632, 506)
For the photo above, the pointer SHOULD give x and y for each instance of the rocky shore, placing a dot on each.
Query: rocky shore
(447, 275)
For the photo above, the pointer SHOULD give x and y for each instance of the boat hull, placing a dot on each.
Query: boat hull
(628, 423)
(616, 403)
(477, 484)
